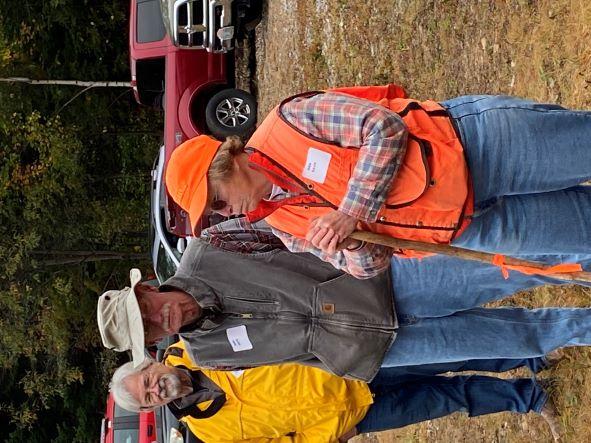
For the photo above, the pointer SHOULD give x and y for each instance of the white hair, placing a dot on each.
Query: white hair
(121, 394)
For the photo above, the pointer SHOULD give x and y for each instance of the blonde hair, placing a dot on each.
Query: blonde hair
(222, 164)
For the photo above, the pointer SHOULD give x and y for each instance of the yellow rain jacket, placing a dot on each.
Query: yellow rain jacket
(282, 403)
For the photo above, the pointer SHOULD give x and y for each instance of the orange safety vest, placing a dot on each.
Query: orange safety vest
(430, 199)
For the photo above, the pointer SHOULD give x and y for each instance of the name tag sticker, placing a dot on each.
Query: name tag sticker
(238, 338)
(238, 374)
(316, 165)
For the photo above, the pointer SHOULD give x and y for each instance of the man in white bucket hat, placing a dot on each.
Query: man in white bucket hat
(259, 307)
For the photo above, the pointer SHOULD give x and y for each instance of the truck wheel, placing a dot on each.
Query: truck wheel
(231, 112)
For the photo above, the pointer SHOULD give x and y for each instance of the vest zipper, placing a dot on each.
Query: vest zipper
(404, 225)
(251, 315)
(244, 315)
(385, 329)
(311, 204)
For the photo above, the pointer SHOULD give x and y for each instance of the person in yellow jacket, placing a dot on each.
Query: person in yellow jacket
(296, 403)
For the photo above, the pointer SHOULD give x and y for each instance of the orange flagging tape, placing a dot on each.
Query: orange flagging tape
(563, 268)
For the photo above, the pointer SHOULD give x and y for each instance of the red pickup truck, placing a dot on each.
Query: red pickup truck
(182, 61)
(121, 426)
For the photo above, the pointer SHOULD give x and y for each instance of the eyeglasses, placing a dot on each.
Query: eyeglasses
(217, 204)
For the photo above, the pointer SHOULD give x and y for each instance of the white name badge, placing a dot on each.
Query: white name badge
(238, 338)
(238, 374)
(316, 165)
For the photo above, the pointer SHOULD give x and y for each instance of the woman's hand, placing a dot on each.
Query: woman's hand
(329, 232)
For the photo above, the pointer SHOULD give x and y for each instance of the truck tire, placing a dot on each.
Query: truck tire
(231, 112)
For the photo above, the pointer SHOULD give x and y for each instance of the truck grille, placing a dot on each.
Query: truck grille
(203, 24)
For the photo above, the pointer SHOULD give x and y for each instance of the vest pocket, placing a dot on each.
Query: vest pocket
(414, 176)
(351, 303)
(239, 304)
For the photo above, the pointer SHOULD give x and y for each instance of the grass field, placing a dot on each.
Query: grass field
(440, 49)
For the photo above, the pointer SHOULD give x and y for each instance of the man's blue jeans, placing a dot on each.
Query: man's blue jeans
(409, 373)
(413, 394)
(526, 160)
(436, 302)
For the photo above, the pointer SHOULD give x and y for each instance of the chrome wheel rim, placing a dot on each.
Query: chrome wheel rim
(232, 112)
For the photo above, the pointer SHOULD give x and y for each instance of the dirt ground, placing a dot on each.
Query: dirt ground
(440, 49)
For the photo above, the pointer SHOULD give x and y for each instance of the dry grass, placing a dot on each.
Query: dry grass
(436, 49)
(440, 49)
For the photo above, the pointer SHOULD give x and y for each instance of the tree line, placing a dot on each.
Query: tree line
(74, 210)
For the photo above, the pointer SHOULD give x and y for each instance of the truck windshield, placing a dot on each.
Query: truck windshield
(150, 26)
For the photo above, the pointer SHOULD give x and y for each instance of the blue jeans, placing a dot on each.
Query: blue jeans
(526, 160)
(404, 398)
(440, 285)
(439, 320)
(409, 373)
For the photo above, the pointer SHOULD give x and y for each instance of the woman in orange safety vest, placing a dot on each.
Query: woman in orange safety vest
(489, 173)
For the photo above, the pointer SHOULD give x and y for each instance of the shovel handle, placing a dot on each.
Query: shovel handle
(466, 254)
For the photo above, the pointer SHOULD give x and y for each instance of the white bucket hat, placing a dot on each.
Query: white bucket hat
(120, 320)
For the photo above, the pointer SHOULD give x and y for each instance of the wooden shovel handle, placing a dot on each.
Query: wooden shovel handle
(467, 254)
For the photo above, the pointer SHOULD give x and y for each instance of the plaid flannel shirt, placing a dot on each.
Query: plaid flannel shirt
(380, 135)
(241, 236)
